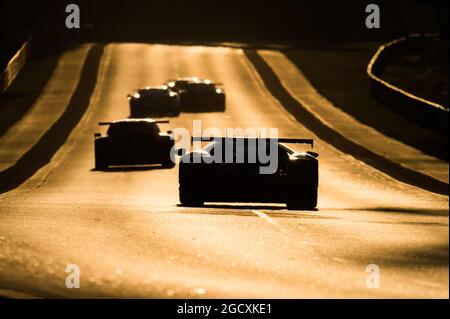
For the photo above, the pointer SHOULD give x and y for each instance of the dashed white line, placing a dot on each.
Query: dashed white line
(264, 216)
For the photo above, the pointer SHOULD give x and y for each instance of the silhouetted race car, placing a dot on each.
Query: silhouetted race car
(154, 101)
(226, 171)
(197, 95)
(133, 142)
(182, 83)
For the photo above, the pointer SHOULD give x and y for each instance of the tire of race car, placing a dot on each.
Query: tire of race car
(167, 163)
(132, 109)
(222, 104)
(100, 160)
(305, 200)
(189, 198)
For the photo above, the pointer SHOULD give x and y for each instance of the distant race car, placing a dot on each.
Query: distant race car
(154, 101)
(198, 95)
(133, 142)
(202, 179)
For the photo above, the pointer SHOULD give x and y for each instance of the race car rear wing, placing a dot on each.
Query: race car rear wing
(277, 140)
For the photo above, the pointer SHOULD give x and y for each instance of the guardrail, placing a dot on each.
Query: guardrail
(14, 66)
(419, 109)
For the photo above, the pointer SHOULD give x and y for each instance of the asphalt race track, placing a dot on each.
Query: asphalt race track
(130, 238)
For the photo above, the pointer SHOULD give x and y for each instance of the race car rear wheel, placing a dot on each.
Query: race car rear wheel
(222, 104)
(303, 200)
(168, 163)
(189, 198)
(100, 160)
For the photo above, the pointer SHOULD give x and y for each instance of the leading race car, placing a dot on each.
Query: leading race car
(133, 142)
(225, 171)
(198, 95)
(154, 101)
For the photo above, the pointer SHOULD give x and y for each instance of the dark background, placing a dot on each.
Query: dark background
(215, 21)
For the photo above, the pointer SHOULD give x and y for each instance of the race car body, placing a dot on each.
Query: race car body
(229, 170)
(154, 101)
(133, 142)
(198, 95)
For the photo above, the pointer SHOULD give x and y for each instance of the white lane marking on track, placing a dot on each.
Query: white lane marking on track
(273, 222)
(264, 216)
(284, 234)
(339, 260)
(268, 219)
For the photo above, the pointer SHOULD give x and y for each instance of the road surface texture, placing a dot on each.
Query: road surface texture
(130, 238)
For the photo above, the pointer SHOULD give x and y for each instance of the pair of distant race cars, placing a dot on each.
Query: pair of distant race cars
(139, 141)
(189, 94)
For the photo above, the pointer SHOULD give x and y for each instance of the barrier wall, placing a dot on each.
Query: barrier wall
(14, 66)
(421, 110)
